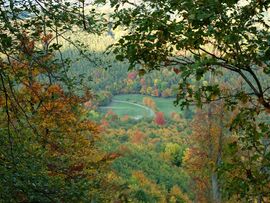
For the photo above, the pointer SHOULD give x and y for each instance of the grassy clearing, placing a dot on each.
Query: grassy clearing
(163, 104)
(132, 110)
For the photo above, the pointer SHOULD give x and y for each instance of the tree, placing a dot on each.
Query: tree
(132, 75)
(176, 117)
(246, 162)
(176, 195)
(47, 142)
(174, 153)
(147, 190)
(200, 37)
(148, 101)
(204, 155)
(159, 119)
(137, 137)
(203, 38)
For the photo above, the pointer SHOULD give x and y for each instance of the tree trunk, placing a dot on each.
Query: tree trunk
(215, 187)
(216, 197)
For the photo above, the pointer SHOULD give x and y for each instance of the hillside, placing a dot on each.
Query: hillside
(134, 101)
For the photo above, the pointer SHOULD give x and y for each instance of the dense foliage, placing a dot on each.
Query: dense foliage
(57, 137)
(198, 37)
(47, 151)
(149, 167)
(214, 43)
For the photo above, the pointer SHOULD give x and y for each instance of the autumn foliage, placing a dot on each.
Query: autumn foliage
(148, 101)
(159, 119)
(138, 137)
(132, 75)
(204, 155)
(45, 128)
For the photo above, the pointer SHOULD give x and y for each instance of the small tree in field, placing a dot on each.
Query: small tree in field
(159, 119)
(148, 101)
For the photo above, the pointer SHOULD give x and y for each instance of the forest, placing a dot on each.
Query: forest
(130, 101)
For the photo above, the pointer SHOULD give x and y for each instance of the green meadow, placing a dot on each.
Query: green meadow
(136, 108)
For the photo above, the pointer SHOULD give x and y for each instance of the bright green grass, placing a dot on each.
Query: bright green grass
(132, 110)
(163, 104)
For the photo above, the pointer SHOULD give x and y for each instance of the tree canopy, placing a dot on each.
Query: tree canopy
(218, 50)
(221, 50)
(47, 150)
(198, 38)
